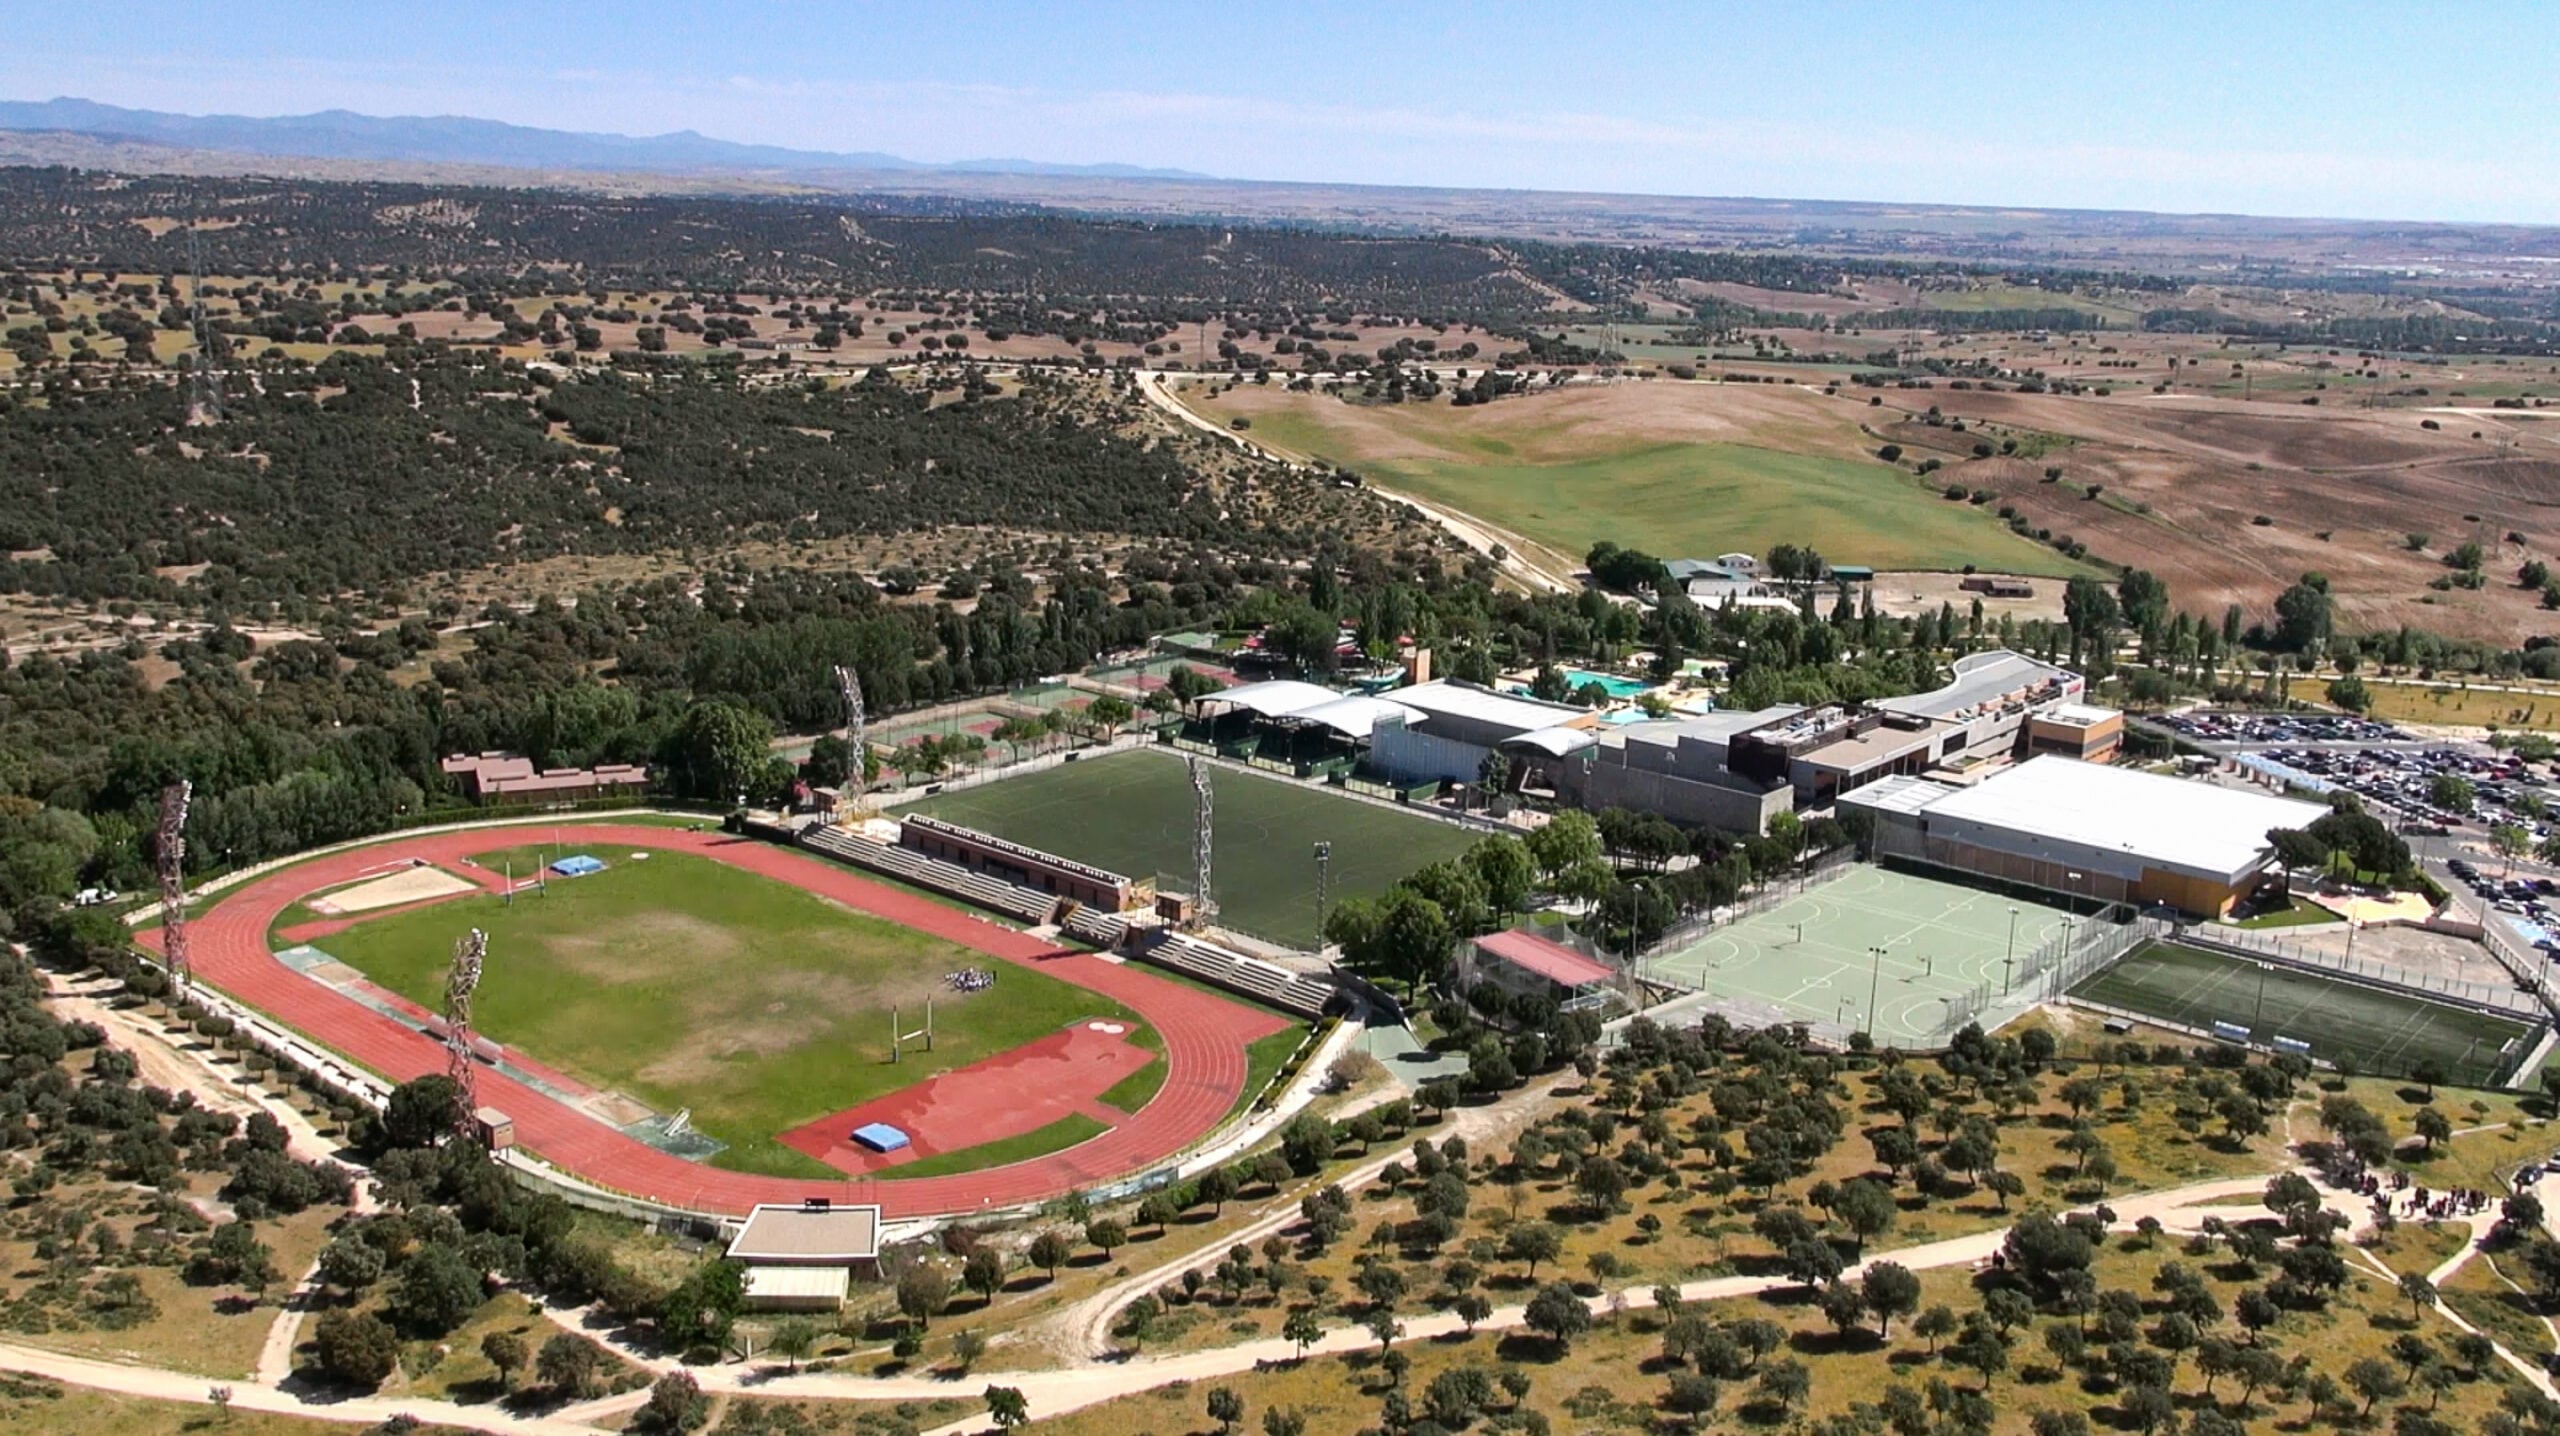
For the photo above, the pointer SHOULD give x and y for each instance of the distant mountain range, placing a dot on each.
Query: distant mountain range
(455, 139)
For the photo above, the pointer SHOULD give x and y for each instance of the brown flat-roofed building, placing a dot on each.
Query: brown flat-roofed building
(812, 1233)
(2076, 730)
(509, 777)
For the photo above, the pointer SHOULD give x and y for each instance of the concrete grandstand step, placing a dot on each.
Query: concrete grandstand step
(1263, 981)
(951, 878)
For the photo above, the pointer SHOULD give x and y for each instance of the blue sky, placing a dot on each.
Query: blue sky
(2341, 109)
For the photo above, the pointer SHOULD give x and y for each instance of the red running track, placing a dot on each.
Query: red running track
(1205, 1036)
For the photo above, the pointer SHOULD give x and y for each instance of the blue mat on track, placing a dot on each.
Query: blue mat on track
(880, 1137)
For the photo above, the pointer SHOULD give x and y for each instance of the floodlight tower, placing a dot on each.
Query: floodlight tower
(1202, 854)
(1324, 868)
(171, 851)
(849, 685)
(459, 984)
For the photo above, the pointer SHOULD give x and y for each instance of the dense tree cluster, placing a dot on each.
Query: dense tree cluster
(565, 239)
(361, 473)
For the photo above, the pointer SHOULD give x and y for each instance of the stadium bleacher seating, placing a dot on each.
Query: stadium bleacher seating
(909, 866)
(1267, 982)
(1103, 929)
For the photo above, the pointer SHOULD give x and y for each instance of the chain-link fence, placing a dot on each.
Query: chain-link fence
(1684, 934)
(2497, 997)
(2056, 966)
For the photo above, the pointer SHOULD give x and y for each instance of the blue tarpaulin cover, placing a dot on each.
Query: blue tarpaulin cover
(880, 1136)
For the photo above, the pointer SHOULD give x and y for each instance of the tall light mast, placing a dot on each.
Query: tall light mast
(1203, 856)
(459, 983)
(170, 850)
(849, 686)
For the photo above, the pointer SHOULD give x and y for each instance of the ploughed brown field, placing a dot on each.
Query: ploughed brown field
(2344, 490)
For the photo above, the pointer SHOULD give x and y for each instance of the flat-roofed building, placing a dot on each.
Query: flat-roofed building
(1824, 752)
(1674, 768)
(802, 1258)
(1019, 864)
(2076, 730)
(510, 778)
(1989, 697)
(2089, 830)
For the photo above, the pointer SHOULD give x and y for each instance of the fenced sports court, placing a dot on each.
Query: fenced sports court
(2377, 1029)
(1947, 952)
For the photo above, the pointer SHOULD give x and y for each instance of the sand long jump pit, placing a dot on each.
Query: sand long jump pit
(417, 883)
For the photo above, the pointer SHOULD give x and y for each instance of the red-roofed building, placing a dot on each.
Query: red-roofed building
(1522, 961)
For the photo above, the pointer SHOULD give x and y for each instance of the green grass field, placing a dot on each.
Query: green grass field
(1131, 813)
(2379, 1031)
(689, 983)
(1689, 498)
(1813, 957)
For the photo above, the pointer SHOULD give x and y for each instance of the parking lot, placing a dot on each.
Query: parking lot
(2402, 780)
(2255, 729)
(2531, 904)
(2393, 773)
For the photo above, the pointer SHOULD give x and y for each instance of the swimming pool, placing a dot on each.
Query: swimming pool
(1616, 687)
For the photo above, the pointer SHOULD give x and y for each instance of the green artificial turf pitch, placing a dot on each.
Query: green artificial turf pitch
(1132, 814)
(1814, 955)
(2378, 1030)
(688, 983)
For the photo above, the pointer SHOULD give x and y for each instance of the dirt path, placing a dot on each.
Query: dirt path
(1051, 1393)
(258, 1396)
(1083, 1331)
(163, 1063)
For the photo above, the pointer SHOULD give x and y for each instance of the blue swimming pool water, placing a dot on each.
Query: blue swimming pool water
(1617, 687)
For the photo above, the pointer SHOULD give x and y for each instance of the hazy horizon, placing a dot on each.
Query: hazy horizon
(2338, 112)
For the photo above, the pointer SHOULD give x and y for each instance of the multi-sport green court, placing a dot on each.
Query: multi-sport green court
(1813, 956)
(2376, 1029)
(1132, 813)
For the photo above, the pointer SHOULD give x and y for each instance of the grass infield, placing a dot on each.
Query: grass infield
(1131, 813)
(688, 983)
(2375, 1029)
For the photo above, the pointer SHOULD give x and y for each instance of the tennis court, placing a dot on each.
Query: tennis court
(1814, 955)
(1131, 812)
(2379, 1030)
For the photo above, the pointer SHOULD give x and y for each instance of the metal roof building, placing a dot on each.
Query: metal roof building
(1526, 962)
(1989, 696)
(1285, 700)
(2089, 830)
(1455, 724)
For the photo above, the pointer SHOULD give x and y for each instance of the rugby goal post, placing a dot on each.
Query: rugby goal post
(899, 1037)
